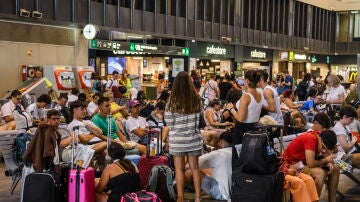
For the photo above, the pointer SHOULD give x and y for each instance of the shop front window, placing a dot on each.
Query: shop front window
(357, 27)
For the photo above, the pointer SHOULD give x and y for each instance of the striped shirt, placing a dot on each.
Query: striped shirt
(184, 135)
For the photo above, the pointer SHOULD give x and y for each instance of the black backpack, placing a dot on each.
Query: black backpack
(99, 86)
(257, 156)
(161, 182)
(20, 146)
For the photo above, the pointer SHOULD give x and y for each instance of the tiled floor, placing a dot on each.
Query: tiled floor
(346, 186)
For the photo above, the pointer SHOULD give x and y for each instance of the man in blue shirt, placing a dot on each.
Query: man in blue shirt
(288, 81)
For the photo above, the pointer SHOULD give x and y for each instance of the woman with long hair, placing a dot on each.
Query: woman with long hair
(249, 106)
(118, 178)
(182, 116)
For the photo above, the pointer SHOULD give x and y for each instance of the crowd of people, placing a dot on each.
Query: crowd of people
(191, 127)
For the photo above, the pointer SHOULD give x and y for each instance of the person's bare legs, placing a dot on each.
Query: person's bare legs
(179, 162)
(356, 160)
(332, 183)
(319, 176)
(141, 148)
(194, 166)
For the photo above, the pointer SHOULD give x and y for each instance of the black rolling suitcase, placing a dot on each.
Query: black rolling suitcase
(42, 187)
(257, 188)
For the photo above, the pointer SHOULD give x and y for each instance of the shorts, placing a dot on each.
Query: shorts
(211, 187)
(189, 153)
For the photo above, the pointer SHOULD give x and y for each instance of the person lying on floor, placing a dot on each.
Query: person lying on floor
(118, 178)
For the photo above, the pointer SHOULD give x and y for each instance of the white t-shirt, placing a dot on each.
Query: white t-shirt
(133, 92)
(8, 109)
(340, 129)
(35, 112)
(111, 82)
(71, 98)
(211, 86)
(133, 123)
(278, 114)
(335, 92)
(220, 163)
(82, 130)
(91, 108)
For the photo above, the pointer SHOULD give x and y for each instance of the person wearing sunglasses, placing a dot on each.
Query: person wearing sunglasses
(349, 149)
(314, 149)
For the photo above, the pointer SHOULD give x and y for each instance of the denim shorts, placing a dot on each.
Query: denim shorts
(211, 187)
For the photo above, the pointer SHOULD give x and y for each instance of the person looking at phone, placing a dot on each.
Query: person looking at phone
(349, 149)
(314, 149)
(336, 93)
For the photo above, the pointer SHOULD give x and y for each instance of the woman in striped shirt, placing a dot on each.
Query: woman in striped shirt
(182, 116)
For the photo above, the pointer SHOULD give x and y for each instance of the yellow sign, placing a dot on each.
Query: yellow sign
(353, 76)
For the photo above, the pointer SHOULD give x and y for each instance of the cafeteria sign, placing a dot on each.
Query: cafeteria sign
(257, 54)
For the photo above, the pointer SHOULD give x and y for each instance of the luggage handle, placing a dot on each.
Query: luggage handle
(158, 142)
(74, 145)
(108, 138)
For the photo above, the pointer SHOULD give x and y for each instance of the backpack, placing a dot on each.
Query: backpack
(257, 156)
(302, 88)
(98, 86)
(141, 196)
(161, 182)
(202, 123)
(20, 146)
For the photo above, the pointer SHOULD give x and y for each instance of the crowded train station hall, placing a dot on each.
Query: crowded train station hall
(179, 100)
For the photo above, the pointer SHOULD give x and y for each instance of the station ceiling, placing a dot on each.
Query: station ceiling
(335, 5)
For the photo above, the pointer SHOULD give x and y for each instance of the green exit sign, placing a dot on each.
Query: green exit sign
(313, 59)
(132, 47)
(186, 51)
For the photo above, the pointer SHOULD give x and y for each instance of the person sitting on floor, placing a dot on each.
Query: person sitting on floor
(216, 169)
(118, 178)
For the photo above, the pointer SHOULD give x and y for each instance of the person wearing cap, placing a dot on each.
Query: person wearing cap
(216, 170)
(36, 110)
(8, 109)
(101, 121)
(136, 126)
(314, 149)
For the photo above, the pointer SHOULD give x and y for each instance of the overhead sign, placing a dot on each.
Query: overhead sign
(296, 56)
(215, 50)
(103, 44)
(142, 47)
(185, 51)
(257, 54)
(322, 59)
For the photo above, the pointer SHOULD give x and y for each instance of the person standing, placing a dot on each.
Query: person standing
(289, 81)
(225, 86)
(249, 107)
(182, 116)
(212, 89)
(113, 81)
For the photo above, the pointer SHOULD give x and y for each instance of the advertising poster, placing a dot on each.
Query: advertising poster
(178, 66)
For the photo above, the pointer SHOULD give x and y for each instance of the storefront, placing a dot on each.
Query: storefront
(257, 59)
(319, 65)
(211, 58)
(146, 60)
(346, 66)
(293, 62)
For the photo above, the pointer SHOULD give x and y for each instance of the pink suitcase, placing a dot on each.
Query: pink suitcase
(81, 185)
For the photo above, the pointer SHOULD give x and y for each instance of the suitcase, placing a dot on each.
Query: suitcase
(42, 187)
(146, 162)
(257, 188)
(81, 183)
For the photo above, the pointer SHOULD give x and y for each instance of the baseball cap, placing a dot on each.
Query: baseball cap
(134, 103)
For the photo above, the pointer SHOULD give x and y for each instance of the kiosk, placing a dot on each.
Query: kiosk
(62, 77)
(83, 76)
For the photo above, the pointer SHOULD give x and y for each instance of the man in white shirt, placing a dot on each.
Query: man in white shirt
(36, 110)
(270, 95)
(136, 126)
(8, 109)
(113, 81)
(349, 149)
(93, 106)
(73, 96)
(89, 133)
(216, 170)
